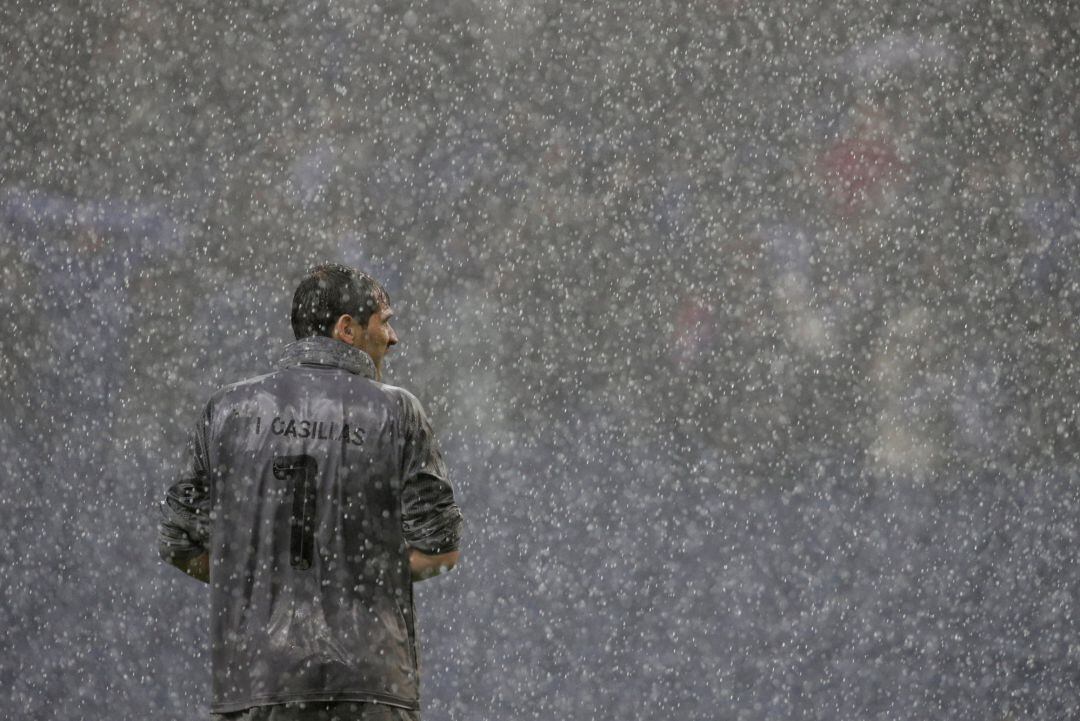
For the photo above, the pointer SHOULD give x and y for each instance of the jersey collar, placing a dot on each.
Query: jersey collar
(322, 351)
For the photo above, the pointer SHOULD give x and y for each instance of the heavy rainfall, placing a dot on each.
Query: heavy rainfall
(748, 330)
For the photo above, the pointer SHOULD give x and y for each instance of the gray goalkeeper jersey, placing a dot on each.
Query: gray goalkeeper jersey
(307, 486)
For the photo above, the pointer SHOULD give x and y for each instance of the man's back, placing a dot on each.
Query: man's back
(316, 475)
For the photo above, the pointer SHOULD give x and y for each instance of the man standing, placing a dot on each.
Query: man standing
(316, 497)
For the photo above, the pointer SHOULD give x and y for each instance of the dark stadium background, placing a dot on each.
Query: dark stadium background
(748, 329)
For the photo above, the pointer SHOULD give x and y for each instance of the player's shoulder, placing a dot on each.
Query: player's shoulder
(248, 385)
(408, 402)
(396, 392)
(242, 388)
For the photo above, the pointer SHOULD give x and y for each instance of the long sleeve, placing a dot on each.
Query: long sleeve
(431, 519)
(184, 531)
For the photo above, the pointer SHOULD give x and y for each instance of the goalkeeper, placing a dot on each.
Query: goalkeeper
(316, 497)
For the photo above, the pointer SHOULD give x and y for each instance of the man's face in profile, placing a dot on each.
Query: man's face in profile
(376, 338)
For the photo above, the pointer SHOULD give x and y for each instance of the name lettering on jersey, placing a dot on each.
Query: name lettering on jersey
(289, 427)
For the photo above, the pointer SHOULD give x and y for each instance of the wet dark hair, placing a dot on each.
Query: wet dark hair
(330, 291)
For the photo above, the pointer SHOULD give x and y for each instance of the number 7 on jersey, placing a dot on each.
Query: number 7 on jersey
(303, 471)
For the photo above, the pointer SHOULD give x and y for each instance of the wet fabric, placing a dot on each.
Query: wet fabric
(322, 712)
(307, 487)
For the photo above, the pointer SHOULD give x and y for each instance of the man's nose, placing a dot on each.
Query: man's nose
(393, 337)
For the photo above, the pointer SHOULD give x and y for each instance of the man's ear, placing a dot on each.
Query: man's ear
(343, 329)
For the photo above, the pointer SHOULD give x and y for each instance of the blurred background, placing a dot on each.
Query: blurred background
(748, 331)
